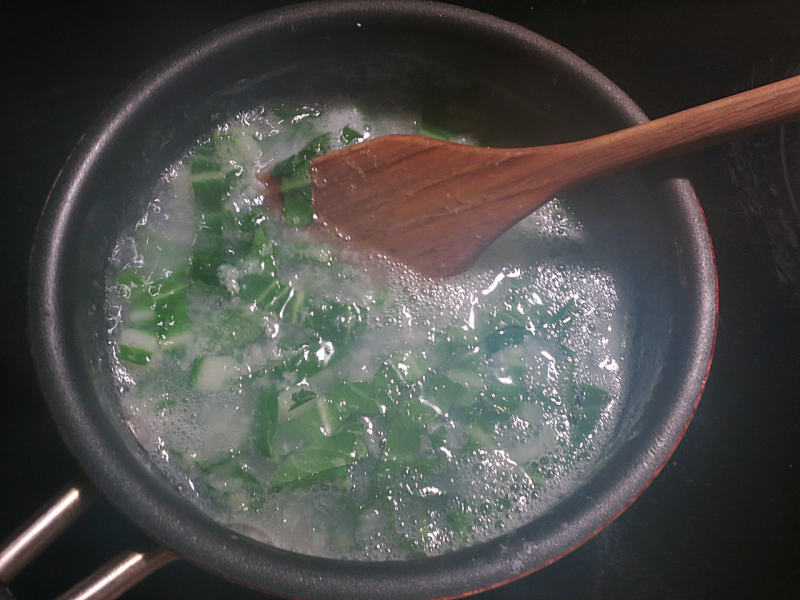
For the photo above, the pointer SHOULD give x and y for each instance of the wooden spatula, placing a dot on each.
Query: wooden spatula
(436, 205)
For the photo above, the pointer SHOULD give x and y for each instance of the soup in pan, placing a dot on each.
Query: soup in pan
(339, 405)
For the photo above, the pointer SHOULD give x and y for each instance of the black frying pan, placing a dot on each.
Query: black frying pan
(428, 57)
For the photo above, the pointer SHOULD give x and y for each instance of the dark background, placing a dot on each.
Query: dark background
(722, 518)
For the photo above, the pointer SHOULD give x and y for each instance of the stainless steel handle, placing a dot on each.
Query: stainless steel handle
(119, 575)
(39, 531)
(107, 583)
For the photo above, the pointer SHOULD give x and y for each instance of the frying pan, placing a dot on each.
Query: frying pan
(426, 57)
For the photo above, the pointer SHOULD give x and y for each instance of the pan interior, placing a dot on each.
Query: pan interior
(526, 94)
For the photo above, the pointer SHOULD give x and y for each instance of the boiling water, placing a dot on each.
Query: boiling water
(485, 463)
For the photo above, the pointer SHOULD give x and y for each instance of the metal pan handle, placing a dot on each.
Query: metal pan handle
(110, 581)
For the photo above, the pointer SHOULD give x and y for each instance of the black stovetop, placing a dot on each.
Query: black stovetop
(722, 517)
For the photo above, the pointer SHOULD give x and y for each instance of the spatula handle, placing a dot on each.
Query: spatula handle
(689, 129)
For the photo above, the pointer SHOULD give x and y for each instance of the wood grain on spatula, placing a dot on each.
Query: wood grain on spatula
(435, 205)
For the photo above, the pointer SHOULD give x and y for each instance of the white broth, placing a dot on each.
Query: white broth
(326, 404)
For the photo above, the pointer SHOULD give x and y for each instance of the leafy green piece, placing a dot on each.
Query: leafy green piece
(290, 166)
(211, 250)
(251, 492)
(479, 435)
(327, 459)
(353, 399)
(460, 521)
(296, 191)
(304, 428)
(205, 265)
(511, 335)
(257, 287)
(297, 307)
(293, 338)
(591, 397)
(309, 360)
(498, 318)
(350, 135)
(295, 175)
(129, 278)
(298, 181)
(459, 339)
(145, 295)
(210, 188)
(265, 423)
(564, 314)
(413, 363)
(444, 392)
(338, 321)
(404, 439)
(166, 286)
(134, 355)
(590, 402)
(300, 397)
(318, 254)
(535, 473)
(390, 380)
(267, 293)
(233, 482)
(468, 368)
(171, 315)
(421, 411)
(203, 163)
(275, 297)
(435, 133)
(262, 248)
(500, 400)
(247, 218)
(194, 371)
(211, 184)
(168, 402)
(297, 113)
(231, 329)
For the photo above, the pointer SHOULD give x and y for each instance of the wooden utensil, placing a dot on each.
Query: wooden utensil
(435, 205)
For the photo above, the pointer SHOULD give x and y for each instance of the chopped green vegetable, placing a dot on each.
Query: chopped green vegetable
(171, 315)
(210, 188)
(296, 191)
(349, 136)
(444, 392)
(232, 329)
(343, 321)
(404, 440)
(301, 397)
(295, 114)
(130, 279)
(209, 252)
(134, 355)
(327, 459)
(295, 175)
(266, 420)
(251, 491)
(258, 288)
(511, 335)
(590, 402)
(289, 167)
(352, 399)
